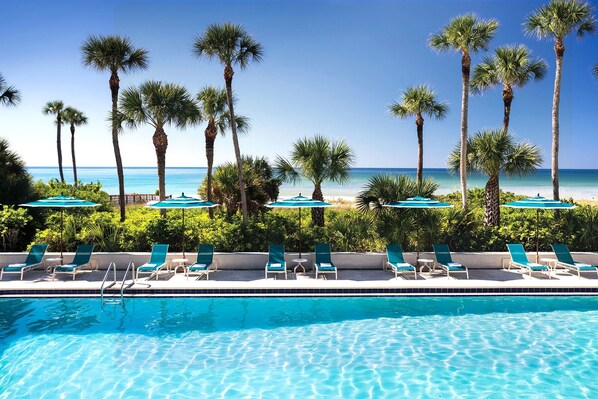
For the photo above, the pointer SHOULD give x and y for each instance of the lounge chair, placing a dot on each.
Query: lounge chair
(81, 260)
(564, 258)
(519, 259)
(33, 260)
(323, 263)
(156, 263)
(396, 261)
(204, 262)
(445, 261)
(276, 263)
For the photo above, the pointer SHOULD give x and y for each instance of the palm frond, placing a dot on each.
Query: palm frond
(559, 18)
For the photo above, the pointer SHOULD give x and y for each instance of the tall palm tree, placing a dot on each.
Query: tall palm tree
(74, 117)
(555, 21)
(493, 152)
(464, 34)
(9, 96)
(214, 109)
(317, 159)
(231, 45)
(16, 183)
(56, 108)
(510, 66)
(419, 101)
(158, 105)
(114, 54)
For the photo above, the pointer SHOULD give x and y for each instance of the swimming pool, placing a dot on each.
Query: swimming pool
(494, 347)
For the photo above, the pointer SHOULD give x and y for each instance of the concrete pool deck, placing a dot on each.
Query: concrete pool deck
(350, 283)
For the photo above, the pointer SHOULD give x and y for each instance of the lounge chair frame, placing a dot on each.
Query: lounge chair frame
(564, 259)
(396, 262)
(443, 257)
(275, 256)
(205, 256)
(518, 251)
(323, 255)
(35, 259)
(159, 251)
(81, 260)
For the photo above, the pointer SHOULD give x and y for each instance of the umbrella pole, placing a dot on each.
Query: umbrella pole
(61, 227)
(537, 240)
(183, 233)
(299, 232)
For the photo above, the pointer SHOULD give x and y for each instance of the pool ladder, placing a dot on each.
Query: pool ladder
(116, 299)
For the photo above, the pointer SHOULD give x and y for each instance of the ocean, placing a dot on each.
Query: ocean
(576, 183)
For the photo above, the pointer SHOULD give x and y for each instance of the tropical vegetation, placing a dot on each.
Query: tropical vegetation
(465, 34)
(74, 118)
(555, 21)
(9, 96)
(317, 159)
(15, 181)
(114, 54)
(419, 101)
(232, 46)
(493, 152)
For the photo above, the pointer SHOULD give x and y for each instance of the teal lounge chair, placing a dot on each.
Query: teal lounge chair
(323, 263)
(156, 263)
(81, 260)
(396, 261)
(564, 258)
(33, 260)
(445, 261)
(519, 259)
(204, 262)
(276, 263)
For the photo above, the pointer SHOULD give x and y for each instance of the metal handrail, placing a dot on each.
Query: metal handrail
(112, 265)
(122, 286)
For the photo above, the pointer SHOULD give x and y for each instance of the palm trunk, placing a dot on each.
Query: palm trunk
(73, 155)
(228, 78)
(465, 69)
(317, 214)
(419, 122)
(507, 99)
(492, 202)
(210, 134)
(559, 49)
(59, 146)
(161, 144)
(114, 86)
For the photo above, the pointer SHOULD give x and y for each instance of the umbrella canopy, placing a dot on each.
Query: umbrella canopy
(538, 203)
(62, 202)
(299, 202)
(419, 202)
(182, 202)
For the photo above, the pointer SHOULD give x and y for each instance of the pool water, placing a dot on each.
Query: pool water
(478, 347)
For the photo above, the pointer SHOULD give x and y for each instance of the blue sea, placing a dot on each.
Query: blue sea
(576, 183)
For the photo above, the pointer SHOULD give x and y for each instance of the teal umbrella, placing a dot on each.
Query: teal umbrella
(299, 202)
(182, 202)
(419, 203)
(538, 203)
(62, 202)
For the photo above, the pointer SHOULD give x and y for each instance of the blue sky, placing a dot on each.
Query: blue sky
(330, 67)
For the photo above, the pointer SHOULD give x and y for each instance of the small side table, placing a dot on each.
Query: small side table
(51, 264)
(550, 262)
(300, 262)
(179, 263)
(427, 263)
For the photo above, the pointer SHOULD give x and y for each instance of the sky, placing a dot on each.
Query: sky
(329, 67)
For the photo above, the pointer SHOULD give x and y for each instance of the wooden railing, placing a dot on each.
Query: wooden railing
(135, 198)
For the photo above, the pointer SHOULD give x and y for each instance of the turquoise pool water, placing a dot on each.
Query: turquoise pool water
(490, 347)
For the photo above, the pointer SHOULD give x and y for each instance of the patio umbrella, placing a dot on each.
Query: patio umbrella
(61, 202)
(299, 202)
(182, 202)
(419, 203)
(538, 203)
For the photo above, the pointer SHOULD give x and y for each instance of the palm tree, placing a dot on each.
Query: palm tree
(231, 45)
(15, 182)
(56, 108)
(511, 66)
(464, 34)
(214, 109)
(555, 21)
(74, 117)
(9, 96)
(419, 101)
(158, 104)
(114, 54)
(493, 152)
(317, 159)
